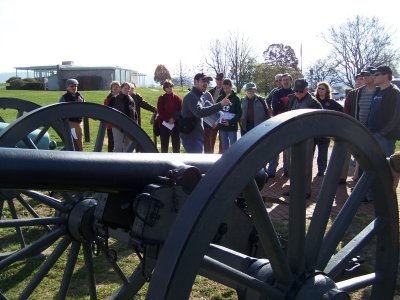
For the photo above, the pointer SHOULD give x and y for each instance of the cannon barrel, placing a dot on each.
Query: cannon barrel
(90, 171)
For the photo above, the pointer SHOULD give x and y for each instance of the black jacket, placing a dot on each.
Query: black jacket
(68, 97)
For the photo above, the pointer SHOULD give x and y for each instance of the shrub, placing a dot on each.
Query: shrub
(24, 84)
(16, 84)
(28, 80)
(36, 86)
(12, 78)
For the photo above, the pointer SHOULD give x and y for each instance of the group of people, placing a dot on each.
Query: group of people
(375, 102)
(217, 111)
(122, 97)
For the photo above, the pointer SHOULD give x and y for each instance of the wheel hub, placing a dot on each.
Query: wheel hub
(80, 220)
(315, 285)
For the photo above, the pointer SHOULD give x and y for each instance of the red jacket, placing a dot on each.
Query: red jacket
(167, 105)
(106, 102)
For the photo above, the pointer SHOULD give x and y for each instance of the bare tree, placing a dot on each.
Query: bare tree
(358, 43)
(280, 55)
(217, 60)
(322, 70)
(183, 76)
(233, 58)
(241, 63)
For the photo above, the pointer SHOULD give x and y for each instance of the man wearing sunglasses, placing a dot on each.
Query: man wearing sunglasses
(384, 116)
(366, 93)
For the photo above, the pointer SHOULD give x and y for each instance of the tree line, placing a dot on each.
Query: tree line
(355, 44)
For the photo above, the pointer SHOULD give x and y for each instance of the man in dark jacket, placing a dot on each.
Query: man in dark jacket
(384, 115)
(193, 106)
(278, 85)
(280, 104)
(359, 104)
(140, 103)
(72, 95)
(302, 99)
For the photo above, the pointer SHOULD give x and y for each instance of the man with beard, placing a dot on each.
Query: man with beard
(194, 106)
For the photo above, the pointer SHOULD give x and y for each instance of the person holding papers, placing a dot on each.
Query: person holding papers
(169, 106)
(229, 116)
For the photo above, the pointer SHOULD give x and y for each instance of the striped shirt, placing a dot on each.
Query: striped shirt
(365, 104)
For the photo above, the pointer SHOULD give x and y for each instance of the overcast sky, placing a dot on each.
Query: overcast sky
(141, 34)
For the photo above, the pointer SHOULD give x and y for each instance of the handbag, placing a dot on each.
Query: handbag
(153, 121)
(186, 125)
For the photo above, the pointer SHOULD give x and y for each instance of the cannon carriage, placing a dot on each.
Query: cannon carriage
(182, 215)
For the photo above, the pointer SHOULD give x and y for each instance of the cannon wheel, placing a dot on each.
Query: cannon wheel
(21, 106)
(310, 266)
(57, 115)
(55, 223)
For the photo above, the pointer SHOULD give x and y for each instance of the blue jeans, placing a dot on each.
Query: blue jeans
(388, 146)
(273, 163)
(192, 145)
(227, 138)
(322, 159)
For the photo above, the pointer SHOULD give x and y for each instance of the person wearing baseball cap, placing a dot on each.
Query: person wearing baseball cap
(278, 85)
(72, 95)
(361, 102)
(384, 116)
(370, 70)
(302, 99)
(254, 107)
(195, 106)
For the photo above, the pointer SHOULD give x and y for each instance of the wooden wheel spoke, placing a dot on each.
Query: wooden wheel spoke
(39, 245)
(135, 283)
(339, 261)
(69, 269)
(343, 219)
(15, 217)
(100, 137)
(267, 234)
(357, 283)
(324, 204)
(45, 268)
(87, 254)
(299, 179)
(67, 136)
(31, 222)
(242, 279)
(47, 200)
(29, 143)
(42, 132)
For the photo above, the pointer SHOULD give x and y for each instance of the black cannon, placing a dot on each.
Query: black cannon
(178, 214)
